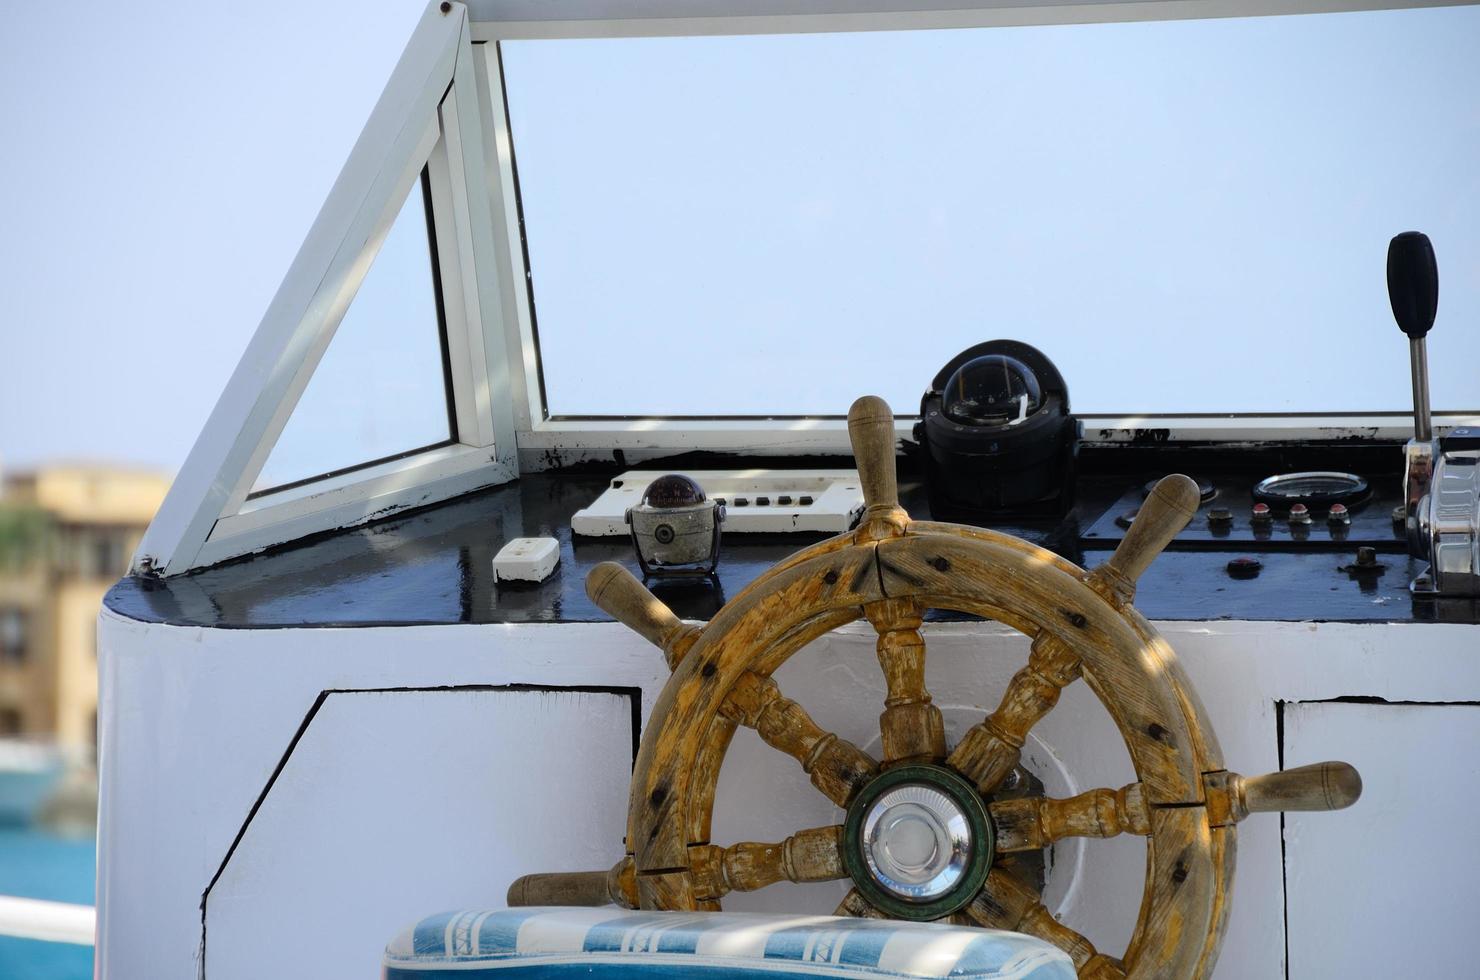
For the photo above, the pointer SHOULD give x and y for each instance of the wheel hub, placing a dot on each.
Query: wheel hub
(917, 842)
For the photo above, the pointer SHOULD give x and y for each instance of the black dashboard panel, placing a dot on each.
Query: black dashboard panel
(435, 565)
(1369, 523)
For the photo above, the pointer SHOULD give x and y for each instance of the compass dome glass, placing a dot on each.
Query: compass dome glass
(673, 490)
(992, 390)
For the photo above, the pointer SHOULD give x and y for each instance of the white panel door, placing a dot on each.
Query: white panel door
(1390, 887)
(398, 805)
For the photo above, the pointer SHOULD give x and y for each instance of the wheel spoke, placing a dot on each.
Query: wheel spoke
(1032, 823)
(1006, 902)
(619, 593)
(1162, 516)
(1322, 786)
(807, 855)
(858, 907)
(617, 886)
(989, 750)
(871, 432)
(837, 767)
(911, 727)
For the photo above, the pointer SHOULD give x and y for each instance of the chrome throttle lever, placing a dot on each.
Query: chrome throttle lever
(1441, 478)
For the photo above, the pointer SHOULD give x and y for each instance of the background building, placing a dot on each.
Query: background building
(66, 534)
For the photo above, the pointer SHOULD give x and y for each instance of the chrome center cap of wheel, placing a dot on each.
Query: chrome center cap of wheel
(918, 842)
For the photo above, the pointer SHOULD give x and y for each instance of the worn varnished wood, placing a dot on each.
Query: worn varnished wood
(619, 593)
(1034, 822)
(1083, 624)
(1165, 512)
(1179, 905)
(911, 728)
(671, 889)
(979, 575)
(991, 749)
(559, 888)
(837, 767)
(807, 855)
(839, 772)
(743, 635)
(1089, 614)
(1223, 847)
(871, 433)
(855, 905)
(1007, 902)
(1163, 661)
(1320, 786)
(618, 886)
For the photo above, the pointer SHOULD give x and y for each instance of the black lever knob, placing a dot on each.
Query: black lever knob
(1413, 282)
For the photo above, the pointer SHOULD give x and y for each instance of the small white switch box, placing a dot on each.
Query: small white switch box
(526, 560)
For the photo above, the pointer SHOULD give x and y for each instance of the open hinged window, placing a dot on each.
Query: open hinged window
(377, 378)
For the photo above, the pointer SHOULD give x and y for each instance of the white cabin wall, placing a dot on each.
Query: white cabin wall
(1414, 829)
(417, 818)
(196, 721)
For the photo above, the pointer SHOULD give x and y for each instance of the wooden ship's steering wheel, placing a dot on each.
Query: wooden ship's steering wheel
(925, 835)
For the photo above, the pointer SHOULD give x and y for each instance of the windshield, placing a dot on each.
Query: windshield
(1185, 216)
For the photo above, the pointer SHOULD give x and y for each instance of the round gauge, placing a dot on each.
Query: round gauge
(1313, 489)
(992, 390)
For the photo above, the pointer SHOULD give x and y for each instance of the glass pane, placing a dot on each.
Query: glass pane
(380, 389)
(1187, 216)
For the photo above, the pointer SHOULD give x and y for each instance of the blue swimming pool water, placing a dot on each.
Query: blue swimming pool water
(35, 864)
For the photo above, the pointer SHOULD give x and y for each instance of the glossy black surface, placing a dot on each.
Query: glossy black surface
(435, 566)
(1371, 522)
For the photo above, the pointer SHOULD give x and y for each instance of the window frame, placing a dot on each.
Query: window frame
(428, 118)
(544, 437)
(421, 187)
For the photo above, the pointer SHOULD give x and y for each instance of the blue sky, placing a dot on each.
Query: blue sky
(162, 165)
(165, 161)
(1186, 216)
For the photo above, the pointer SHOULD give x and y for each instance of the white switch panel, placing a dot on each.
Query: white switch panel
(756, 500)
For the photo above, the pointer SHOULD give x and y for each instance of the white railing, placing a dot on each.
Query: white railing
(55, 922)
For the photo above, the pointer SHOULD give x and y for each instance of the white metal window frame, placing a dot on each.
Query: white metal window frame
(546, 441)
(428, 117)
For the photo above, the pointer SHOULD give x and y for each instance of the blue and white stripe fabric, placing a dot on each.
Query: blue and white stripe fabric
(611, 944)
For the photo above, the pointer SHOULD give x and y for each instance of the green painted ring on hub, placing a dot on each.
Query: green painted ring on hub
(983, 842)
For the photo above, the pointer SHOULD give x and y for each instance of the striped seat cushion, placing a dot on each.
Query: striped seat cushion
(611, 944)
